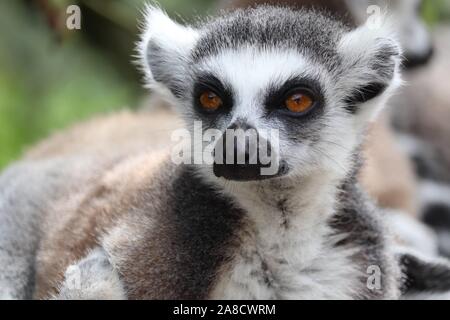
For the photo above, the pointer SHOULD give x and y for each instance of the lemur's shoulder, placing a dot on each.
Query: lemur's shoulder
(166, 232)
(75, 223)
(177, 251)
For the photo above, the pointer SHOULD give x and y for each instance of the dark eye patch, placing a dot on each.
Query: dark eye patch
(363, 94)
(276, 96)
(208, 82)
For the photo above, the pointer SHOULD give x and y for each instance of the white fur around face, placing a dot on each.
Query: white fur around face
(251, 71)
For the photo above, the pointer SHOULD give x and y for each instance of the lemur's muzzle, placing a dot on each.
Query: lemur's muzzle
(243, 155)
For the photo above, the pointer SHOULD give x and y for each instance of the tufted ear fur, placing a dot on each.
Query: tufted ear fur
(371, 67)
(164, 50)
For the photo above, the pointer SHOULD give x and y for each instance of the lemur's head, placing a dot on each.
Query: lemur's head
(300, 74)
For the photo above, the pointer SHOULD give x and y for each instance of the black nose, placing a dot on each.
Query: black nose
(413, 60)
(240, 158)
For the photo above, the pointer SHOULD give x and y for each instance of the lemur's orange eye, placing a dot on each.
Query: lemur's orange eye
(210, 101)
(299, 102)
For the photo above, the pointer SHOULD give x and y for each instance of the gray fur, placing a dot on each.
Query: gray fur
(19, 225)
(27, 193)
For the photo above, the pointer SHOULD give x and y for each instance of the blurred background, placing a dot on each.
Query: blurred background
(51, 77)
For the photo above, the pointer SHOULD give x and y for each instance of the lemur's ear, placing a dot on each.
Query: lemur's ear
(163, 51)
(371, 59)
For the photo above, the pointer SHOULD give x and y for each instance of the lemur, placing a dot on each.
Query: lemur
(422, 119)
(139, 226)
(387, 173)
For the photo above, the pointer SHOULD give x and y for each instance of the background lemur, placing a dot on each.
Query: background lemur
(138, 226)
(422, 117)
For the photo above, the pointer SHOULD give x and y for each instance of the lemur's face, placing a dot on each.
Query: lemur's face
(298, 81)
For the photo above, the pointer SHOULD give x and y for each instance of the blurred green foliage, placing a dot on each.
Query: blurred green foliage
(51, 77)
(436, 10)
